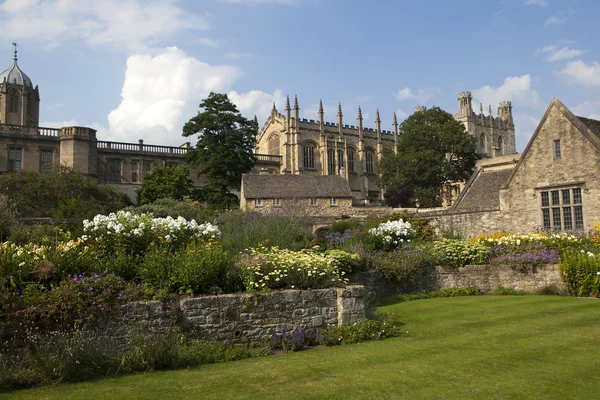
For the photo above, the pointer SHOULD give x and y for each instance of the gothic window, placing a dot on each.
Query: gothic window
(309, 156)
(274, 147)
(331, 162)
(14, 160)
(113, 170)
(562, 209)
(369, 157)
(482, 143)
(340, 154)
(45, 161)
(351, 160)
(29, 105)
(14, 101)
(500, 145)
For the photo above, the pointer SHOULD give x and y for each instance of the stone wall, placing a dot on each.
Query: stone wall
(242, 318)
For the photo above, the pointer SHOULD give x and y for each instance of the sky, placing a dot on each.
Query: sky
(138, 69)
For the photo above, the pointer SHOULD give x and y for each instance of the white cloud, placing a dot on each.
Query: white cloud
(163, 91)
(207, 42)
(539, 3)
(555, 53)
(422, 95)
(557, 19)
(525, 125)
(254, 2)
(401, 115)
(588, 109)
(59, 124)
(130, 24)
(518, 89)
(582, 74)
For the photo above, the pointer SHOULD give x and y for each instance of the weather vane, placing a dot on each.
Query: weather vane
(15, 44)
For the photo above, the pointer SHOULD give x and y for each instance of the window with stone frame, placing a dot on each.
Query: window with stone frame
(274, 145)
(313, 201)
(309, 155)
(333, 201)
(351, 153)
(500, 145)
(369, 161)
(113, 170)
(557, 152)
(147, 167)
(562, 209)
(29, 105)
(482, 145)
(340, 156)
(45, 161)
(331, 162)
(14, 159)
(14, 101)
(135, 171)
(276, 202)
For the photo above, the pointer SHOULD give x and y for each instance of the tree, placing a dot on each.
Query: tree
(225, 148)
(434, 152)
(166, 182)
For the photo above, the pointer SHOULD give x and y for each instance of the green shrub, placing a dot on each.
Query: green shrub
(401, 266)
(343, 225)
(7, 217)
(162, 208)
(504, 291)
(456, 253)
(422, 226)
(347, 262)
(156, 266)
(359, 332)
(580, 272)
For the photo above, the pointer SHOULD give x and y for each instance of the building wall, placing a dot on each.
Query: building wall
(322, 208)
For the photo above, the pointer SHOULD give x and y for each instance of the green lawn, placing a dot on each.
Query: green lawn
(485, 347)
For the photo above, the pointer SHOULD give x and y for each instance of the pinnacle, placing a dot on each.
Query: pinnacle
(287, 103)
(296, 107)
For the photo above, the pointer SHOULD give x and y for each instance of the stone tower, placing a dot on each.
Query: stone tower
(19, 100)
(494, 136)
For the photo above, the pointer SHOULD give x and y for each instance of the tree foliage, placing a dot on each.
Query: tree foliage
(434, 151)
(225, 148)
(166, 182)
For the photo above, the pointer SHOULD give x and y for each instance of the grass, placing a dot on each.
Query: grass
(482, 347)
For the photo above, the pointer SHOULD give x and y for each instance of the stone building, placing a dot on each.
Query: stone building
(309, 147)
(553, 185)
(303, 195)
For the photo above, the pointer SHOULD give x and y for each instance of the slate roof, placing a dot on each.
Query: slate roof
(294, 186)
(592, 124)
(482, 190)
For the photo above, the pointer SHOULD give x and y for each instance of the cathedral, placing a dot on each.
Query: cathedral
(317, 147)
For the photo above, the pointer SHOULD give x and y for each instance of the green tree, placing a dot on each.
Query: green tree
(225, 148)
(166, 182)
(434, 152)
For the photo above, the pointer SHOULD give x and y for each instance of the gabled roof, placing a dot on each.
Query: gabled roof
(482, 190)
(589, 128)
(294, 186)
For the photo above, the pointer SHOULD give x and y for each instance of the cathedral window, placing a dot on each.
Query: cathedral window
(113, 170)
(369, 157)
(482, 145)
(14, 101)
(14, 160)
(351, 160)
(562, 209)
(500, 146)
(309, 156)
(45, 161)
(331, 162)
(274, 147)
(340, 154)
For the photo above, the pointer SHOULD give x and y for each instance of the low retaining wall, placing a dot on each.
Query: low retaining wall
(487, 278)
(243, 318)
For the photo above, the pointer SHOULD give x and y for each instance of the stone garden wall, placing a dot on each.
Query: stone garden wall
(243, 318)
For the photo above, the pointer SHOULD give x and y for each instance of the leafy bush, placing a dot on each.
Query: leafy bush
(523, 257)
(580, 272)
(552, 241)
(401, 265)
(359, 332)
(274, 268)
(166, 182)
(297, 340)
(504, 291)
(347, 262)
(456, 253)
(7, 216)
(344, 225)
(162, 208)
(424, 231)
(241, 231)
(389, 235)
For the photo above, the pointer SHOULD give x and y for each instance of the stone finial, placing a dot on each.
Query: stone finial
(340, 110)
(296, 107)
(377, 119)
(490, 110)
(15, 56)
(274, 109)
(320, 106)
(480, 108)
(395, 120)
(287, 103)
(359, 116)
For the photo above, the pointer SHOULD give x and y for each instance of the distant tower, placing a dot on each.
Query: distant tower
(505, 112)
(465, 101)
(19, 100)
(420, 109)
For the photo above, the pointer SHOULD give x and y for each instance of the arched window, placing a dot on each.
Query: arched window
(29, 105)
(309, 155)
(500, 146)
(14, 101)
(369, 157)
(341, 163)
(274, 147)
(482, 143)
(331, 162)
(351, 160)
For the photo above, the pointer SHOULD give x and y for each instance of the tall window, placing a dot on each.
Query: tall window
(331, 162)
(135, 168)
(29, 105)
(340, 154)
(274, 144)
(369, 156)
(148, 165)
(482, 143)
(562, 209)
(500, 145)
(351, 160)
(14, 101)
(557, 152)
(309, 156)
(113, 170)
(14, 160)
(45, 161)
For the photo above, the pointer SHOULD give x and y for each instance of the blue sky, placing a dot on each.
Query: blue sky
(139, 68)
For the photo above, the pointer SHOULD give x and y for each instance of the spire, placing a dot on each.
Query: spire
(359, 117)
(340, 110)
(320, 106)
(287, 103)
(480, 108)
(377, 119)
(395, 120)
(15, 56)
(296, 107)
(274, 110)
(490, 110)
